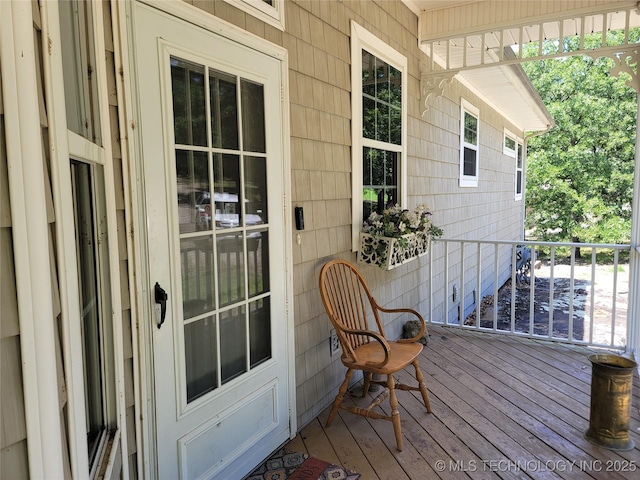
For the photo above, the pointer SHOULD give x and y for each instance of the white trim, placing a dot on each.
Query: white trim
(123, 92)
(469, 180)
(112, 235)
(65, 241)
(273, 16)
(506, 150)
(30, 231)
(363, 39)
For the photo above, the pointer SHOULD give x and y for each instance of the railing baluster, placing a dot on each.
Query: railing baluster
(592, 305)
(532, 297)
(478, 298)
(496, 281)
(552, 286)
(446, 283)
(514, 284)
(571, 293)
(614, 294)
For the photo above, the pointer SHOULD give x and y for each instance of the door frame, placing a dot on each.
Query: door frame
(143, 309)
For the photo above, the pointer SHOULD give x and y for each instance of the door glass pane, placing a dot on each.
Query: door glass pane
(226, 180)
(198, 282)
(221, 180)
(189, 112)
(224, 110)
(230, 268)
(260, 327)
(255, 187)
(258, 262)
(253, 134)
(200, 344)
(233, 350)
(194, 198)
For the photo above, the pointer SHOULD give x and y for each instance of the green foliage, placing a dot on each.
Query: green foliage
(580, 174)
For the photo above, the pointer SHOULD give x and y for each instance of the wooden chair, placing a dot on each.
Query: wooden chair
(347, 300)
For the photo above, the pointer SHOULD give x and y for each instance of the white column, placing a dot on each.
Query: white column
(633, 315)
(30, 240)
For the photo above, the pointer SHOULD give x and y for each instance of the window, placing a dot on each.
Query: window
(97, 340)
(269, 11)
(468, 145)
(519, 171)
(379, 132)
(514, 148)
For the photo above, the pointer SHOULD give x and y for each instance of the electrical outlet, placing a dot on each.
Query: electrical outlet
(334, 343)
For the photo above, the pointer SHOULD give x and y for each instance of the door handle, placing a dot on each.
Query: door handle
(161, 299)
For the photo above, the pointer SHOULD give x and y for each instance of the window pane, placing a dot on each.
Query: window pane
(382, 122)
(194, 194)
(200, 347)
(224, 110)
(395, 127)
(380, 167)
(469, 168)
(78, 60)
(519, 181)
(255, 186)
(509, 143)
(226, 180)
(519, 157)
(189, 112)
(233, 350)
(253, 117)
(368, 74)
(368, 117)
(470, 129)
(258, 262)
(230, 268)
(87, 255)
(260, 327)
(197, 267)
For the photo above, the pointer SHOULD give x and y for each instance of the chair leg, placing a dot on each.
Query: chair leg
(395, 414)
(340, 397)
(367, 383)
(423, 387)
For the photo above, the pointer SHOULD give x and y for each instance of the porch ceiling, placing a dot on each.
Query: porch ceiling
(476, 40)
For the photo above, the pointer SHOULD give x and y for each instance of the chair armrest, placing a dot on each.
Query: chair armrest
(423, 325)
(376, 336)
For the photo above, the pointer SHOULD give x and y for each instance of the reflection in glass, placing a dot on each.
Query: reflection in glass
(189, 112)
(470, 129)
(258, 261)
(224, 110)
(380, 170)
(255, 187)
(469, 167)
(230, 268)
(233, 350)
(196, 260)
(194, 199)
(226, 180)
(253, 131)
(200, 349)
(260, 330)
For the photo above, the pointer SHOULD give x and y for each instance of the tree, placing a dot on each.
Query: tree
(580, 175)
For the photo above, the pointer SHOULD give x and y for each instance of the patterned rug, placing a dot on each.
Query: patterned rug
(297, 466)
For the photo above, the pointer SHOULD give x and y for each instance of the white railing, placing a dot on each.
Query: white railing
(560, 297)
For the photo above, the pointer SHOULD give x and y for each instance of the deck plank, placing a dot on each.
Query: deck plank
(503, 407)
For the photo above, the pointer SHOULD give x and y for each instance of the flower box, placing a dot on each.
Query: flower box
(390, 252)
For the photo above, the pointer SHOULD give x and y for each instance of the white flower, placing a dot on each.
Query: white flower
(402, 227)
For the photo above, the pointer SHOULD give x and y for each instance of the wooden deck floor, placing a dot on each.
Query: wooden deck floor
(503, 407)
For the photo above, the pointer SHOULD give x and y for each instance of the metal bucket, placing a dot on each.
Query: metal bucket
(611, 383)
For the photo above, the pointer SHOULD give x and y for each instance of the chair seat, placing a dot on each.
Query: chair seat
(400, 355)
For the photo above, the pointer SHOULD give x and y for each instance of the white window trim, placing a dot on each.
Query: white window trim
(66, 145)
(469, 180)
(363, 39)
(518, 196)
(273, 15)
(506, 150)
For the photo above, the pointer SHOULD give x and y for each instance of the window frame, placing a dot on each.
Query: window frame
(66, 147)
(272, 15)
(470, 109)
(362, 39)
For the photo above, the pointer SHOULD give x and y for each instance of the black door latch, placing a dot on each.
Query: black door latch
(161, 299)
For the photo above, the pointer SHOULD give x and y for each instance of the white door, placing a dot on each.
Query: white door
(210, 113)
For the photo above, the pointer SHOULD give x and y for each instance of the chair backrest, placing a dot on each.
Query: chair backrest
(347, 300)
